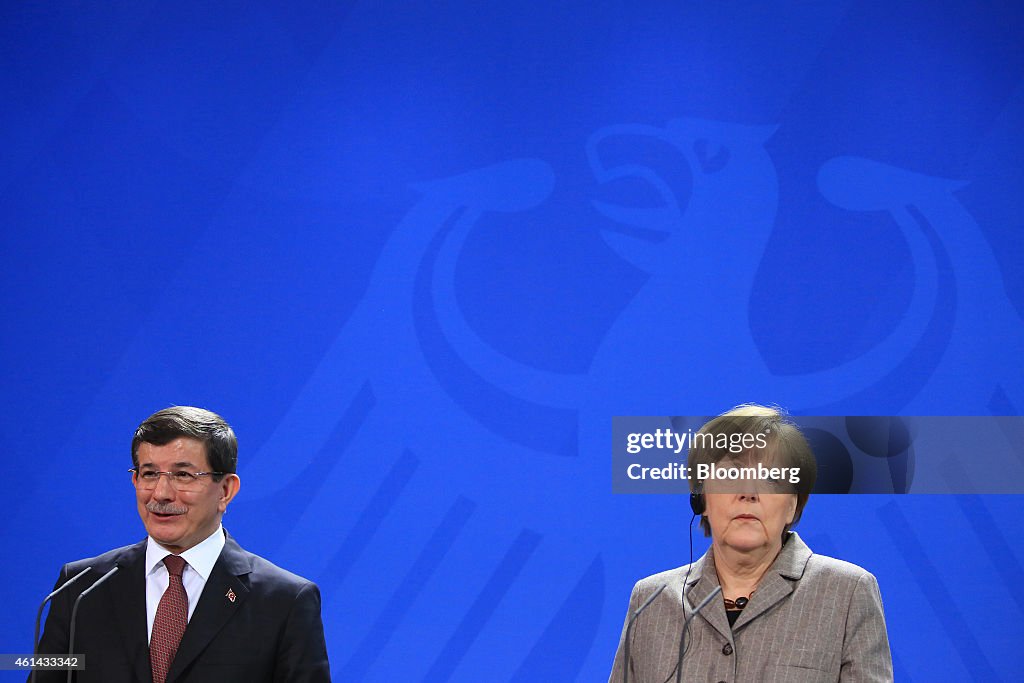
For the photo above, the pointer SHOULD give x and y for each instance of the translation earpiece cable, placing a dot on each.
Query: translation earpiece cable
(686, 622)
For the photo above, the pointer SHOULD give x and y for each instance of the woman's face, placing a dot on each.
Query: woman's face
(749, 521)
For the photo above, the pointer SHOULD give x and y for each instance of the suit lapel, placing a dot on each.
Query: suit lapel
(701, 583)
(772, 589)
(225, 591)
(779, 581)
(128, 596)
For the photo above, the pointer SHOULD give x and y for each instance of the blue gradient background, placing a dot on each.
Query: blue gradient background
(419, 254)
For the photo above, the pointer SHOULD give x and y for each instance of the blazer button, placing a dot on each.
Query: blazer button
(727, 650)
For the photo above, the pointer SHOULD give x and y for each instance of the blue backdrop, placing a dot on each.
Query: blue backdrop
(419, 254)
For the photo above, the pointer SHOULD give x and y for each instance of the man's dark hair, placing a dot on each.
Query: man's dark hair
(164, 426)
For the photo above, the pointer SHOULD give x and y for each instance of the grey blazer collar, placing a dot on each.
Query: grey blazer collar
(778, 582)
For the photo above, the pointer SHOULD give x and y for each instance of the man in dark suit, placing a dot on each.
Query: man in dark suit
(188, 604)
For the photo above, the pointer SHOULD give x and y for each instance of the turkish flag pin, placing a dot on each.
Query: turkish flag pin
(230, 595)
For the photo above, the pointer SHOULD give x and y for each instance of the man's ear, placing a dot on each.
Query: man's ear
(229, 486)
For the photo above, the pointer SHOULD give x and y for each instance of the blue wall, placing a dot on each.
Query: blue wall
(419, 254)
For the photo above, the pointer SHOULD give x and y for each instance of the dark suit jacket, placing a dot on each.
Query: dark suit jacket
(270, 632)
(813, 618)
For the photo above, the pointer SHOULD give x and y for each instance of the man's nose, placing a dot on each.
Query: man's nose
(164, 490)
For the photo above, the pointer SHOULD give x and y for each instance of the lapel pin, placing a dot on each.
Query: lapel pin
(230, 595)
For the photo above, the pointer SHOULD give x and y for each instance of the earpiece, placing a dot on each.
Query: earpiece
(697, 501)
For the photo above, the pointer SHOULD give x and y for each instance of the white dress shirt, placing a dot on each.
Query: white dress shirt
(200, 559)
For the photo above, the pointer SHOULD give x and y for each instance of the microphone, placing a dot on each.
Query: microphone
(39, 614)
(629, 627)
(74, 612)
(686, 624)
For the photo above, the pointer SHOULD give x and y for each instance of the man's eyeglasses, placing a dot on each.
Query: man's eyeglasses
(181, 480)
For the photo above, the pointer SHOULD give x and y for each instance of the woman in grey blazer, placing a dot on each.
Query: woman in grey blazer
(784, 614)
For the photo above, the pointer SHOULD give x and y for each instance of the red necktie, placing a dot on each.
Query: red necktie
(171, 620)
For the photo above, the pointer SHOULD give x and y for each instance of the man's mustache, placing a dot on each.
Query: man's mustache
(166, 508)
